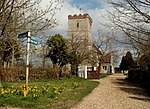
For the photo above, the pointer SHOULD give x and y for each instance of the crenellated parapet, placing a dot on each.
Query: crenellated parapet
(80, 16)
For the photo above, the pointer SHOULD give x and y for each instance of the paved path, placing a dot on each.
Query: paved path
(114, 92)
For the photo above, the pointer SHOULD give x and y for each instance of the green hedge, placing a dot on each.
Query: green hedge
(140, 75)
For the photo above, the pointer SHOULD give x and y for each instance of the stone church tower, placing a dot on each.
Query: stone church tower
(80, 36)
(79, 29)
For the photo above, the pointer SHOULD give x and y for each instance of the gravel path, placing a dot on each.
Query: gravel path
(114, 92)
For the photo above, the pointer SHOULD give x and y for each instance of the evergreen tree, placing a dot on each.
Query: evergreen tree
(126, 62)
(129, 60)
(123, 65)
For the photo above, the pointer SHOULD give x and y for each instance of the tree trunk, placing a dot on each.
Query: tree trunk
(13, 56)
(57, 70)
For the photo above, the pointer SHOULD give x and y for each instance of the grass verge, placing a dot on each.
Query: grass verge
(103, 75)
(49, 94)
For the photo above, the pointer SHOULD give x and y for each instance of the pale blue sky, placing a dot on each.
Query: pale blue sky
(87, 4)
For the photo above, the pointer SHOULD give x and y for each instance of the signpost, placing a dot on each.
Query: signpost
(27, 64)
(23, 35)
(32, 41)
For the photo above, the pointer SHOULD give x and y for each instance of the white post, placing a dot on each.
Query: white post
(85, 72)
(28, 54)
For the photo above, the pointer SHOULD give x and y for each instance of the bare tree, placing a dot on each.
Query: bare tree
(133, 18)
(106, 43)
(24, 15)
(80, 46)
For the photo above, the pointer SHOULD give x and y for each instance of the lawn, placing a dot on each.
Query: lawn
(103, 75)
(46, 94)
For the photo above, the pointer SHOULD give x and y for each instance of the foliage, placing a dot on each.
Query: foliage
(18, 73)
(7, 50)
(123, 65)
(140, 75)
(74, 61)
(127, 61)
(144, 60)
(58, 52)
(47, 94)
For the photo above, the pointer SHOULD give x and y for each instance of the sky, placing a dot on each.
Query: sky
(87, 4)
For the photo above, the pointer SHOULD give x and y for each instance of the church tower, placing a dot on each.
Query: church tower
(79, 29)
(80, 36)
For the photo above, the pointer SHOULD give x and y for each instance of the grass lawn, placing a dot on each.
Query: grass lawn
(103, 75)
(46, 94)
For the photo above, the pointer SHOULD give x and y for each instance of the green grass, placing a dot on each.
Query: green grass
(60, 94)
(103, 75)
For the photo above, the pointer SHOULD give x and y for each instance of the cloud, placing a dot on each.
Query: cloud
(62, 17)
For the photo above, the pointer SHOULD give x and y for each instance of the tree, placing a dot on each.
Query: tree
(8, 51)
(80, 50)
(132, 17)
(23, 15)
(129, 59)
(106, 42)
(144, 60)
(79, 44)
(123, 65)
(27, 14)
(126, 62)
(58, 50)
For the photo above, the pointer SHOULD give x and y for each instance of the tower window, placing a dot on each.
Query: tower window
(77, 25)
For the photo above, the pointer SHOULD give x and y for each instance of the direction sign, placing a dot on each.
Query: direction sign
(23, 35)
(33, 41)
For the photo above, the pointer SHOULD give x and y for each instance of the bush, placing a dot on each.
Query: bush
(18, 73)
(139, 75)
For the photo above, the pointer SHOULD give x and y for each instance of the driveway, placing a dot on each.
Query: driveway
(114, 92)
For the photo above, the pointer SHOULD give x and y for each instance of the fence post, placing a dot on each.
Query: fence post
(85, 72)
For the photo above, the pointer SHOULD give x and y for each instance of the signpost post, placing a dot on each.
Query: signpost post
(32, 41)
(28, 54)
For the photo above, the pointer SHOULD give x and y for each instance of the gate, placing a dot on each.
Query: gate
(89, 72)
(92, 73)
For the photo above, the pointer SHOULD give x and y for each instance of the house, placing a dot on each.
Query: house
(107, 63)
